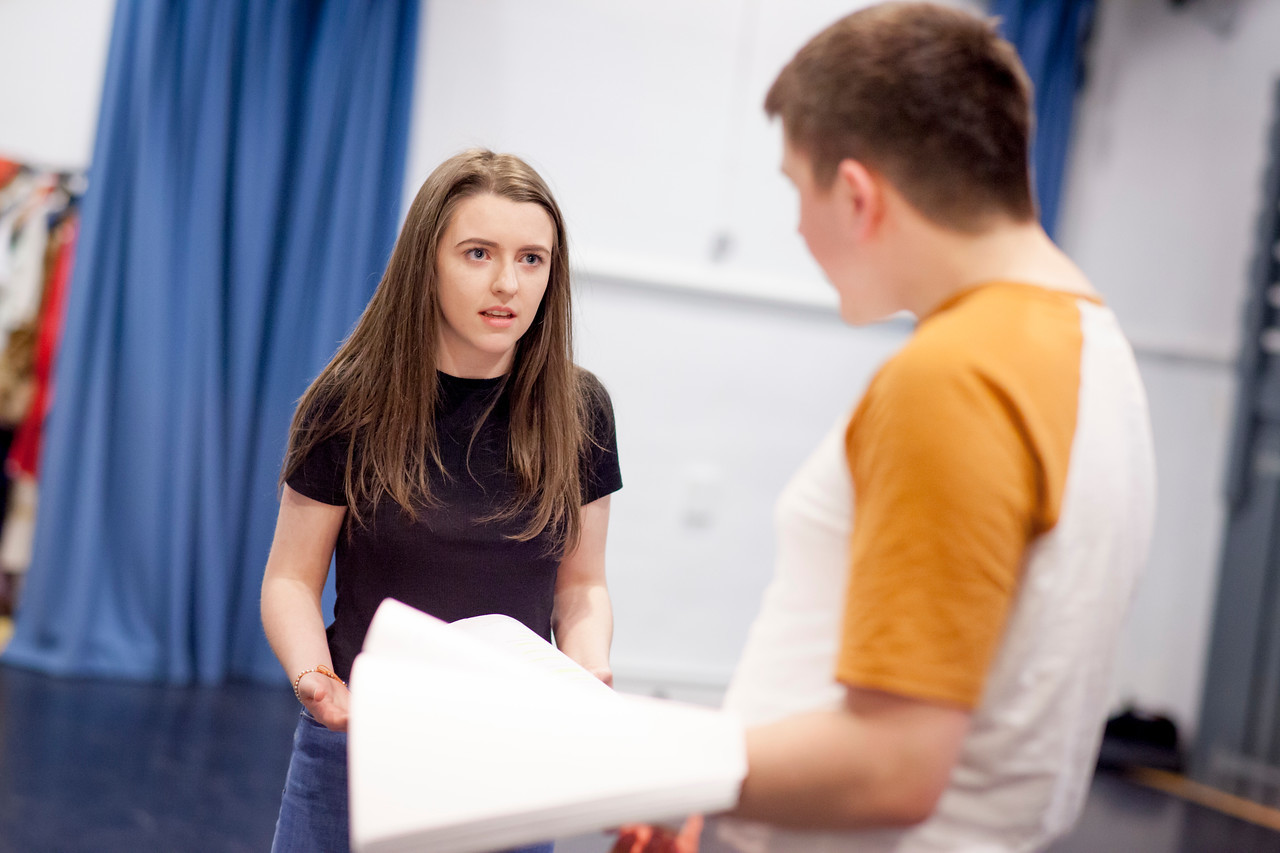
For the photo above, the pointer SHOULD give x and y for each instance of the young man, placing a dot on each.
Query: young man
(930, 667)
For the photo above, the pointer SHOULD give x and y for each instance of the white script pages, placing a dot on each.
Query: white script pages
(479, 735)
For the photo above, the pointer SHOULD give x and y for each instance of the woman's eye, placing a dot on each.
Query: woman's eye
(476, 254)
(532, 259)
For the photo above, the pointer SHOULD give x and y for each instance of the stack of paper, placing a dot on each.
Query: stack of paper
(479, 736)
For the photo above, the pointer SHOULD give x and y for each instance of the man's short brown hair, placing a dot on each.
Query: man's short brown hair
(929, 96)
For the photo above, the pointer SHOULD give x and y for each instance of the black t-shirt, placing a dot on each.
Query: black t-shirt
(447, 563)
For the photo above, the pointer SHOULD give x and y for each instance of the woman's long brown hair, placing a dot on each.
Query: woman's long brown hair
(381, 387)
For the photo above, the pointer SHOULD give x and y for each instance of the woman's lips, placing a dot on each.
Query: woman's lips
(499, 318)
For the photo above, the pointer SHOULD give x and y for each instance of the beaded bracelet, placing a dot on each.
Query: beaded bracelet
(323, 670)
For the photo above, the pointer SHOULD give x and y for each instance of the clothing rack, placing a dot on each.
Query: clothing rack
(39, 221)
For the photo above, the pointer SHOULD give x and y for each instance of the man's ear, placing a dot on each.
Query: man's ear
(860, 187)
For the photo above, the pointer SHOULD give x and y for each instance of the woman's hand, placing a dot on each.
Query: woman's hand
(292, 585)
(603, 672)
(582, 620)
(326, 699)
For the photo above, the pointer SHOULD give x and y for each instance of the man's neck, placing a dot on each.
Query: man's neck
(949, 262)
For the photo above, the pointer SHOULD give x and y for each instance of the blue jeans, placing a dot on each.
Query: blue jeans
(313, 810)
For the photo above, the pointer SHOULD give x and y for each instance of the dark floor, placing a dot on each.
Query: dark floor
(106, 766)
(1123, 816)
(110, 766)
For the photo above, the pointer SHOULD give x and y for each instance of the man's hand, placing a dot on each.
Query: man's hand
(643, 838)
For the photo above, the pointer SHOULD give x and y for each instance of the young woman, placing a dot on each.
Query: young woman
(453, 456)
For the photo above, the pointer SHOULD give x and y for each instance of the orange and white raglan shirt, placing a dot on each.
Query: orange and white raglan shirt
(971, 536)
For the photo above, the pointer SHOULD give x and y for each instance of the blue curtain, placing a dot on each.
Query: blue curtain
(243, 200)
(1051, 37)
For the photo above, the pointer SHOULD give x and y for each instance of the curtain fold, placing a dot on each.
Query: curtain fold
(1051, 37)
(243, 200)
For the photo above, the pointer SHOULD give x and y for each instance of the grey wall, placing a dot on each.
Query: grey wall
(1160, 210)
(53, 54)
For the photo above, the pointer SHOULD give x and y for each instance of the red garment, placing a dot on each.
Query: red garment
(8, 171)
(24, 454)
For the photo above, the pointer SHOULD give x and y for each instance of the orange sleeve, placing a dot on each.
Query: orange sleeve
(944, 496)
(959, 455)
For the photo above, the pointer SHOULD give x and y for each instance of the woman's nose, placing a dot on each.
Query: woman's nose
(506, 281)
